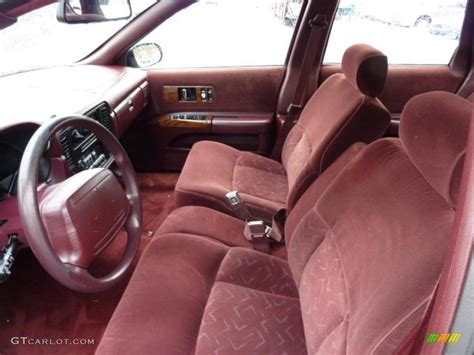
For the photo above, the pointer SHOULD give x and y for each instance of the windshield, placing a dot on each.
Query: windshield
(37, 40)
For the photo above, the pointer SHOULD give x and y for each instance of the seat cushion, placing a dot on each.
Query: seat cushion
(214, 169)
(219, 226)
(192, 294)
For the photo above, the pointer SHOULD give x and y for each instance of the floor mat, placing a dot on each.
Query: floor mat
(157, 199)
(34, 305)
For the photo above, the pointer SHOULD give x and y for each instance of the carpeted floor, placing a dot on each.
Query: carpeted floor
(34, 305)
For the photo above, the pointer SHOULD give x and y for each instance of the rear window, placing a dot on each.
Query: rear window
(407, 31)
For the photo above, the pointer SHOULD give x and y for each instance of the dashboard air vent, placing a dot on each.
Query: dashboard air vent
(102, 114)
(66, 146)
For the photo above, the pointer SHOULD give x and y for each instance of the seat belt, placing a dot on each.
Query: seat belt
(262, 236)
(318, 24)
(237, 205)
(278, 226)
(256, 231)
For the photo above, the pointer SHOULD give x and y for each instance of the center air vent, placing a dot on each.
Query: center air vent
(67, 150)
(102, 114)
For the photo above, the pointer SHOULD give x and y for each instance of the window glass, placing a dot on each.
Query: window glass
(213, 33)
(407, 31)
(37, 40)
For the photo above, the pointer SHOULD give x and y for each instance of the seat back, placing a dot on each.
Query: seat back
(344, 110)
(368, 250)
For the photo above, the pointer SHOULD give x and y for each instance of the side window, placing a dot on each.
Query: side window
(216, 33)
(407, 31)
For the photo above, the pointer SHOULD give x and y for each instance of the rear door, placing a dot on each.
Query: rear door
(420, 38)
(222, 67)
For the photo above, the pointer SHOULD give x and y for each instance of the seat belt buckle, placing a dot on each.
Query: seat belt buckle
(258, 234)
(237, 205)
(256, 230)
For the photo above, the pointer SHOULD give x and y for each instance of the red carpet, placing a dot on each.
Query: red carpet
(34, 305)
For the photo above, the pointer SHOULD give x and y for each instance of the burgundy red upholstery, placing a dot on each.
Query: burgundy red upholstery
(228, 229)
(219, 226)
(343, 111)
(365, 252)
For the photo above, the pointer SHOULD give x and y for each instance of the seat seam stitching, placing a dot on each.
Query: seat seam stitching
(283, 202)
(208, 295)
(219, 202)
(331, 236)
(423, 303)
(233, 171)
(262, 170)
(212, 239)
(304, 134)
(253, 289)
(332, 331)
(345, 286)
(338, 133)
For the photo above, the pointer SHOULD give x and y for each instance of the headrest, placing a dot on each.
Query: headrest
(434, 131)
(366, 68)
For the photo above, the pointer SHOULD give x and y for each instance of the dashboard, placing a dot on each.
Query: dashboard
(112, 95)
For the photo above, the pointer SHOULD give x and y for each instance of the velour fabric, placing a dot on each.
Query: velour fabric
(379, 234)
(214, 169)
(258, 271)
(207, 176)
(253, 308)
(439, 157)
(187, 297)
(335, 117)
(365, 254)
(306, 201)
(365, 67)
(239, 320)
(344, 110)
(229, 230)
(471, 98)
(252, 175)
(162, 308)
(219, 226)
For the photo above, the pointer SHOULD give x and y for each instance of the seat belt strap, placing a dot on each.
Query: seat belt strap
(278, 226)
(292, 115)
(318, 24)
(237, 206)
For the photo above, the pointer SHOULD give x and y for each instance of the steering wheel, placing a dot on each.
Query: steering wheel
(71, 222)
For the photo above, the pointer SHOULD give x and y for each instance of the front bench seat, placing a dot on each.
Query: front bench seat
(229, 229)
(364, 258)
(343, 111)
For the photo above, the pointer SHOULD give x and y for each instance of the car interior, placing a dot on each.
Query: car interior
(152, 204)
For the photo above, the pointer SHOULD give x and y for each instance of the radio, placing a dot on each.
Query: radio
(82, 149)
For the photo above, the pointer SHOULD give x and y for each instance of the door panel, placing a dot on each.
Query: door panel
(252, 89)
(405, 82)
(240, 113)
